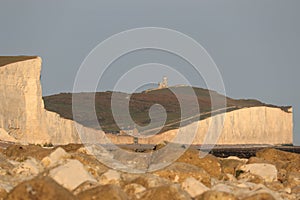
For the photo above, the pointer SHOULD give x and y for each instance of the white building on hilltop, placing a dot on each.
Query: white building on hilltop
(164, 83)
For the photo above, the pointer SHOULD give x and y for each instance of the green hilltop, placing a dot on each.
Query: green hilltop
(139, 105)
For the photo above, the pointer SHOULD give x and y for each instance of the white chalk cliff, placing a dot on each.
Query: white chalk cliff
(23, 117)
(22, 112)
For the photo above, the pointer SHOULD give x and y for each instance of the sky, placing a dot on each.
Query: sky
(254, 43)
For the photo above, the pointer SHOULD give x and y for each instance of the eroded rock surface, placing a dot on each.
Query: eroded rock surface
(73, 174)
(40, 188)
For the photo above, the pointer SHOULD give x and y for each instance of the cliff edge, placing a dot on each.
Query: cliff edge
(24, 118)
(22, 113)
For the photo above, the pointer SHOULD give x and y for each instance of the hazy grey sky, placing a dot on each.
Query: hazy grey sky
(255, 43)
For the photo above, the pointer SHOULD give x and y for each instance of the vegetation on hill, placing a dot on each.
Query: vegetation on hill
(139, 105)
(4, 60)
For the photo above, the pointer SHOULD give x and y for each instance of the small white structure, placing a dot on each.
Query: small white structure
(164, 83)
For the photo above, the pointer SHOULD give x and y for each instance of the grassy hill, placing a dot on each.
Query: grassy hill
(4, 60)
(139, 105)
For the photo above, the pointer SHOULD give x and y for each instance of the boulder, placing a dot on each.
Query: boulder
(71, 174)
(40, 188)
(22, 152)
(229, 166)
(273, 155)
(209, 163)
(170, 192)
(267, 171)
(91, 163)
(103, 192)
(55, 158)
(177, 172)
(193, 187)
(215, 195)
(281, 159)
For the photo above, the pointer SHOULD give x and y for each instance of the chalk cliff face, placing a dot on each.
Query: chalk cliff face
(22, 116)
(255, 125)
(20, 93)
(22, 112)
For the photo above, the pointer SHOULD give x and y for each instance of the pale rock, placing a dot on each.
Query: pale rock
(176, 178)
(287, 190)
(110, 177)
(267, 171)
(28, 167)
(55, 158)
(244, 160)
(193, 187)
(71, 174)
(3, 172)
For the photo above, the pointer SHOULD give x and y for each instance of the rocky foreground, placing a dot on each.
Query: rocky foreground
(68, 172)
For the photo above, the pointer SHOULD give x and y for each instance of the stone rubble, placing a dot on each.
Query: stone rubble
(71, 174)
(67, 172)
